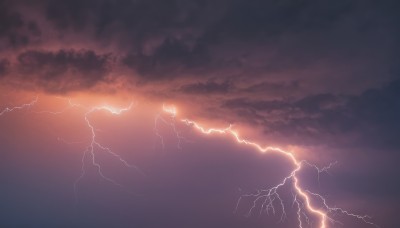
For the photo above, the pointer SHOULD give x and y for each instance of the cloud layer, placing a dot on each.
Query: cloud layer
(319, 44)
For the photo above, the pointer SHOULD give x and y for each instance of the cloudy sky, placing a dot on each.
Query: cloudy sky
(317, 78)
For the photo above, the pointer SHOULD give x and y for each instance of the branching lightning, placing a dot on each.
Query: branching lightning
(270, 198)
(89, 153)
(90, 150)
(169, 121)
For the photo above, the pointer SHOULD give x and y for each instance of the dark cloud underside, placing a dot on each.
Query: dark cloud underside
(63, 70)
(330, 119)
(161, 39)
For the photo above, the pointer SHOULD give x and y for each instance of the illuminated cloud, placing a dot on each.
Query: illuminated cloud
(308, 43)
(64, 70)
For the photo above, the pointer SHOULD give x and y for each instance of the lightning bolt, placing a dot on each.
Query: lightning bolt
(268, 197)
(22, 106)
(89, 153)
(93, 145)
(90, 150)
(170, 121)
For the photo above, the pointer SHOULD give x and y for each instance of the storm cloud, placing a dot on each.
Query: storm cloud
(305, 41)
(64, 70)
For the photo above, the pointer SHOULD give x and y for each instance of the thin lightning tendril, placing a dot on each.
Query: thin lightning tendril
(171, 122)
(22, 106)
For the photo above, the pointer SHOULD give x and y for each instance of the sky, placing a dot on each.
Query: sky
(93, 94)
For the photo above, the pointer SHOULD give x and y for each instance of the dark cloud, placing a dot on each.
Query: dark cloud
(33, 28)
(10, 19)
(370, 117)
(173, 38)
(11, 22)
(268, 105)
(209, 87)
(4, 67)
(66, 14)
(318, 103)
(171, 59)
(16, 30)
(236, 18)
(135, 14)
(64, 70)
(377, 112)
(271, 87)
(263, 19)
(287, 41)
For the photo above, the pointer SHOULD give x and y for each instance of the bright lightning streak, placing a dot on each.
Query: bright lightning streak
(269, 196)
(70, 105)
(169, 121)
(22, 106)
(90, 150)
(170, 109)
